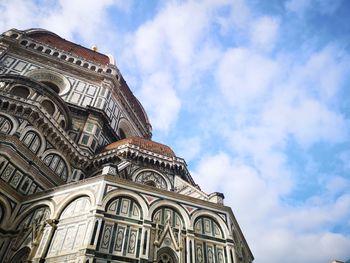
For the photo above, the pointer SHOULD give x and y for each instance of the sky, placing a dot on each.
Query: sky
(253, 94)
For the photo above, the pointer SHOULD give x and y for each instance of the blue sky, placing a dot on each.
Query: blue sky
(253, 94)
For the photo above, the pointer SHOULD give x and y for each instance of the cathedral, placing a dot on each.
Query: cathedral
(81, 179)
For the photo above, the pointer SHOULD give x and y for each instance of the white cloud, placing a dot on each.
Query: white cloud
(276, 232)
(69, 19)
(245, 76)
(264, 32)
(158, 94)
(171, 36)
(188, 148)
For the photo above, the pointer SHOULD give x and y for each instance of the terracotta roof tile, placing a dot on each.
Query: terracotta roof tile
(62, 44)
(143, 144)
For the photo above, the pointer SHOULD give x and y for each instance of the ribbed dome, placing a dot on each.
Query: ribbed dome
(51, 39)
(144, 144)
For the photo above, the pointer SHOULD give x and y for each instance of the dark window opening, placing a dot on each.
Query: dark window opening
(63, 124)
(85, 139)
(122, 134)
(48, 106)
(151, 183)
(51, 85)
(20, 91)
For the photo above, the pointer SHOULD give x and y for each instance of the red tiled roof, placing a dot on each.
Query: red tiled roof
(131, 98)
(144, 144)
(62, 44)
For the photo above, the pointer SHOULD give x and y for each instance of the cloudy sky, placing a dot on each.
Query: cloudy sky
(253, 94)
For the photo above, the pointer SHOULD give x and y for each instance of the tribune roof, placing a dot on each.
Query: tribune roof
(144, 144)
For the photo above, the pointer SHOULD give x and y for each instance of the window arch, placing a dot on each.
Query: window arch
(72, 229)
(124, 206)
(208, 227)
(21, 256)
(48, 106)
(5, 125)
(162, 214)
(126, 232)
(166, 255)
(32, 140)
(206, 230)
(57, 165)
(20, 91)
(151, 178)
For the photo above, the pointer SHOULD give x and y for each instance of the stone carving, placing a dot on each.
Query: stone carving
(151, 178)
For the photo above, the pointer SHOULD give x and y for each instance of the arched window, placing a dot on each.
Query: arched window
(124, 206)
(57, 165)
(21, 256)
(5, 125)
(151, 178)
(162, 214)
(35, 217)
(72, 230)
(208, 227)
(166, 255)
(32, 141)
(123, 210)
(48, 106)
(20, 91)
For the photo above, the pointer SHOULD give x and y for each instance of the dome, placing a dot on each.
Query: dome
(144, 144)
(53, 40)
